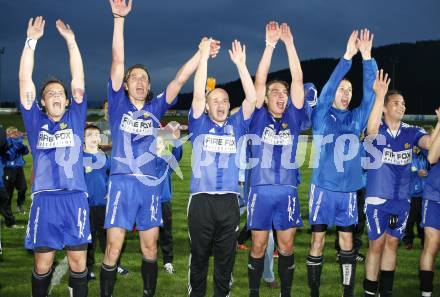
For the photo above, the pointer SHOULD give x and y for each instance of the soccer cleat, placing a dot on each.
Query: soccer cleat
(360, 258)
(122, 271)
(169, 268)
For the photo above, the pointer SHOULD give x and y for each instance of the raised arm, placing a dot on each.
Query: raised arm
(76, 64)
(365, 42)
(297, 86)
(120, 9)
(238, 56)
(187, 70)
(380, 88)
(273, 34)
(328, 92)
(27, 87)
(434, 150)
(426, 141)
(198, 103)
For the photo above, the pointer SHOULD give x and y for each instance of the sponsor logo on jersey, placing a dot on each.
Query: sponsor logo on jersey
(136, 126)
(271, 137)
(61, 138)
(219, 144)
(397, 158)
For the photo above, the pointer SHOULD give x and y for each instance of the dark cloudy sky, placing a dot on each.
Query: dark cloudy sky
(163, 34)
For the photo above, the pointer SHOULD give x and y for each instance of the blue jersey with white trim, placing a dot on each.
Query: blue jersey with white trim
(393, 177)
(432, 185)
(57, 147)
(331, 171)
(419, 162)
(275, 145)
(214, 154)
(134, 133)
(96, 171)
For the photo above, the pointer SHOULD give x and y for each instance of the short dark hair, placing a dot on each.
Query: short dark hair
(52, 80)
(389, 94)
(92, 127)
(127, 75)
(275, 81)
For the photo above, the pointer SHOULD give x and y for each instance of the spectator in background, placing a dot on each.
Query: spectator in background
(168, 146)
(104, 127)
(14, 172)
(419, 172)
(5, 205)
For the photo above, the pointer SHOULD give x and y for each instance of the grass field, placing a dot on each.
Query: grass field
(15, 270)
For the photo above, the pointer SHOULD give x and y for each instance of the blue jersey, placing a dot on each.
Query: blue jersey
(392, 179)
(133, 132)
(330, 171)
(214, 165)
(277, 141)
(96, 172)
(432, 185)
(418, 162)
(57, 147)
(166, 192)
(16, 151)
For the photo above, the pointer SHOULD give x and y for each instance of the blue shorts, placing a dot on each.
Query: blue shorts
(378, 218)
(131, 202)
(277, 205)
(58, 220)
(431, 214)
(332, 208)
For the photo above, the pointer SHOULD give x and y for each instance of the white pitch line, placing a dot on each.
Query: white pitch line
(58, 274)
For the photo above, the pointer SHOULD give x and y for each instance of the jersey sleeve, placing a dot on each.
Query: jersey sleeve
(328, 92)
(195, 125)
(362, 112)
(417, 133)
(32, 120)
(300, 117)
(115, 98)
(79, 110)
(240, 123)
(159, 105)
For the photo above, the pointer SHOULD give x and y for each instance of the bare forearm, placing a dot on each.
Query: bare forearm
(187, 69)
(26, 64)
(434, 150)
(294, 64)
(117, 68)
(297, 87)
(76, 66)
(27, 87)
(198, 103)
(246, 82)
(261, 75)
(118, 41)
(375, 116)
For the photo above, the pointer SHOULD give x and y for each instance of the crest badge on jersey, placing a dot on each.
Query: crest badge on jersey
(407, 145)
(63, 126)
(284, 125)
